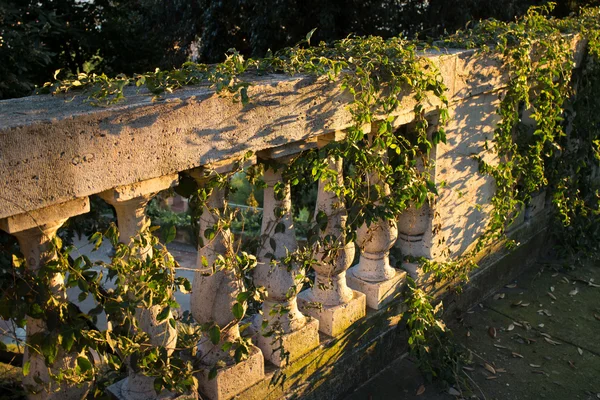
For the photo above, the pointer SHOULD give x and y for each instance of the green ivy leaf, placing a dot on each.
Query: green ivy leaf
(163, 314)
(214, 334)
(244, 96)
(170, 234)
(68, 341)
(84, 364)
(238, 311)
(26, 368)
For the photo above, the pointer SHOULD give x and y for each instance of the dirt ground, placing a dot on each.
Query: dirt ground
(537, 338)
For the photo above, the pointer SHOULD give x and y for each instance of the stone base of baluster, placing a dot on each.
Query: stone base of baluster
(413, 269)
(295, 344)
(378, 294)
(122, 390)
(334, 320)
(233, 379)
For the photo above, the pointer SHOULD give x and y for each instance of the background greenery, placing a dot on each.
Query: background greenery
(127, 36)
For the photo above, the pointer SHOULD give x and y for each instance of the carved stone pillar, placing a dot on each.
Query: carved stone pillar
(330, 300)
(214, 293)
(34, 232)
(286, 328)
(418, 229)
(373, 275)
(415, 236)
(130, 203)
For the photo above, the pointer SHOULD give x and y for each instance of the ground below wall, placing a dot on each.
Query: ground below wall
(546, 344)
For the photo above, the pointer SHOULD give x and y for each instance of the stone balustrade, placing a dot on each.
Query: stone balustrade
(55, 153)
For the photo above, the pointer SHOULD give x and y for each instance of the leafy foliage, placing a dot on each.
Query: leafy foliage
(128, 36)
(381, 75)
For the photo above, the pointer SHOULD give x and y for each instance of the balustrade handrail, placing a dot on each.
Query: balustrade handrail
(57, 148)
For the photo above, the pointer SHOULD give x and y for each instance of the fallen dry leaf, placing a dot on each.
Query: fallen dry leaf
(535, 365)
(516, 355)
(421, 390)
(489, 368)
(510, 327)
(573, 292)
(516, 303)
(553, 297)
(552, 342)
(571, 364)
(552, 288)
(545, 335)
(511, 286)
(597, 317)
(517, 324)
(492, 332)
(491, 377)
(565, 280)
(453, 392)
(580, 351)
(524, 304)
(499, 370)
(469, 369)
(500, 346)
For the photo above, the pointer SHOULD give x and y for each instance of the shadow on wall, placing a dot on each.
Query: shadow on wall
(464, 202)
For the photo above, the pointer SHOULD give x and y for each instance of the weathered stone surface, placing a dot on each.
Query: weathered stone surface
(334, 320)
(121, 391)
(130, 203)
(339, 364)
(35, 218)
(139, 189)
(288, 328)
(378, 294)
(35, 244)
(54, 151)
(296, 343)
(233, 379)
(57, 148)
(460, 212)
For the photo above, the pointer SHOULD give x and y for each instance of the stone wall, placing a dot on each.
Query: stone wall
(57, 151)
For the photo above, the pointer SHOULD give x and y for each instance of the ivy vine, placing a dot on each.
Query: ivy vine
(536, 53)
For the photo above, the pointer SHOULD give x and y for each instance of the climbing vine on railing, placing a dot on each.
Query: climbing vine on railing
(528, 155)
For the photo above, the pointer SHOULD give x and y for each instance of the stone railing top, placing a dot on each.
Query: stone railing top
(55, 149)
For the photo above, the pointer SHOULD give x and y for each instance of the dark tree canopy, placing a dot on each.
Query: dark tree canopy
(126, 36)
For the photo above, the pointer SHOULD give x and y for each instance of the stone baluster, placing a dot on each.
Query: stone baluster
(373, 275)
(293, 334)
(214, 293)
(330, 300)
(417, 229)
(34, 232)
(130, 203)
